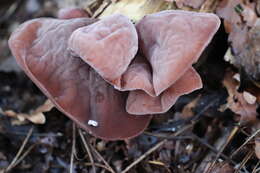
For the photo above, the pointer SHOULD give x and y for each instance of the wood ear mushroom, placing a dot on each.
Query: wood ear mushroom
(109, 75)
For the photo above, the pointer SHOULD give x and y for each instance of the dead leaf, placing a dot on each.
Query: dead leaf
(36, 116)
(187, 111)
(237, 102)
(222, 168)
(249, 57)
(243, 26)
(237, 12)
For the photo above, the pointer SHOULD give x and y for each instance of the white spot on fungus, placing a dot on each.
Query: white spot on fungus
(92, 123)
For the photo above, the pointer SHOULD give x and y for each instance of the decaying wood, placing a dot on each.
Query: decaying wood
(136, 9)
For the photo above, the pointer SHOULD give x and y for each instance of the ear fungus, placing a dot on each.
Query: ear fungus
(72, 85)
(175, 43)
(108, 46)
(104, 73)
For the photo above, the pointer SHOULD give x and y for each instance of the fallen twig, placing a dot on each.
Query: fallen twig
(151, 150)
(13, 163)
(102, 159)
(144, 155)
(230, 137)
(73, 147)
(249, 139)
(242, 164)
(88, 150)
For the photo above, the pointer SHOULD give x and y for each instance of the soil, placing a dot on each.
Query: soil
(196, 135)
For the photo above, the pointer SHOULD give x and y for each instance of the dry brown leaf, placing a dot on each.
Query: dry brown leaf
(36, 116)
(238, 15)
(237, 12)
(249, 56)
(222, 168)
(237, 102)
(241, 21)
(187, 111)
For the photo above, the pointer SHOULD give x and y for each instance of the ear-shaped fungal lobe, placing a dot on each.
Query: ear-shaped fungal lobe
(70, 13)
(140, 103)
(40, 48)
(138, 76)
(108, 46)
(172, 41)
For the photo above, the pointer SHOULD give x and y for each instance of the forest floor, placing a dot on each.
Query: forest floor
(212, 130)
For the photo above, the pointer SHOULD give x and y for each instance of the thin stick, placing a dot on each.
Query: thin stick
(249, 139)
(144, 155)
(88, 150)
(73, 147)
(158, 145)
(159, 163)
(203, 142)
(98, 165)
(34, 134)
(242, 164)
(102, 159)
(101, 8)
(12, 164)
(24, 154)
(194, 137)
(232, 134)
(256, 166)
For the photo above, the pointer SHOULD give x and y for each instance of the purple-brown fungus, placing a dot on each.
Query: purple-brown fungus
(40, 47)
(162, 70)
(104, 74)
(171, 48)
(175, 43)
(108, 45)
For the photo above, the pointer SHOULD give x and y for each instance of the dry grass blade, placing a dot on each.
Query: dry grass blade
(249, 139)
(99, 165)
(144, 155)
(13, 163)
(230, 137)
(12, 10)
(242, 164)
(101, 8)
(203, 142)
(24, 154)
(88, 150)
(159, 163)
(73, 147)
(158, 145)
(209, 6)
(102, 159)
(256, 167)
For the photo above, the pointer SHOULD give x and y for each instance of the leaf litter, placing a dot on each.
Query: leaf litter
(218, 125)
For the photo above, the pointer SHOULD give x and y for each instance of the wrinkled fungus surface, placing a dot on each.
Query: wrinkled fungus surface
(104, 74)
(75, 88)
(108, 45)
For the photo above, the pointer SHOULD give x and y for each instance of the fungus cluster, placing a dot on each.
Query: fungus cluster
(110, 75)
